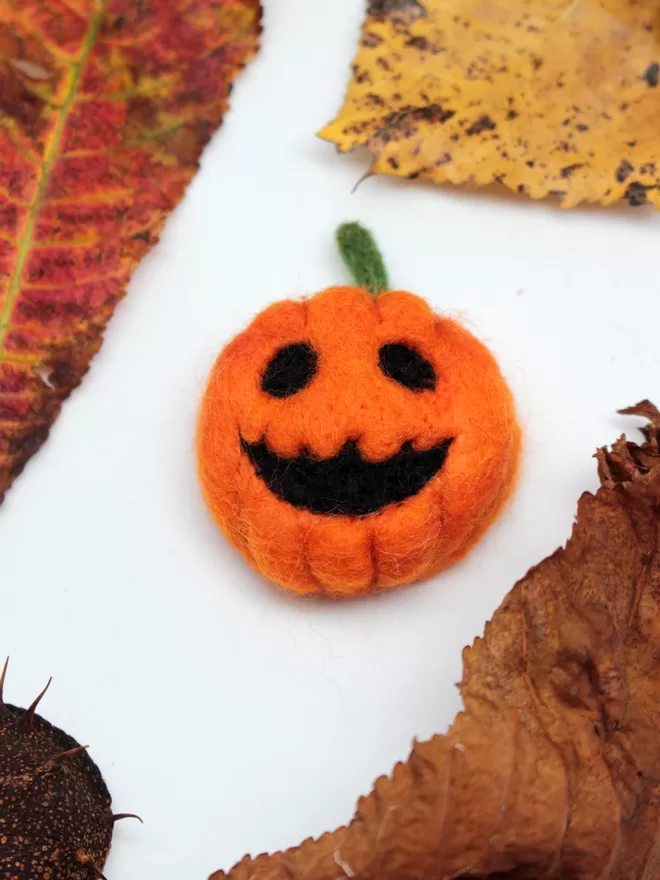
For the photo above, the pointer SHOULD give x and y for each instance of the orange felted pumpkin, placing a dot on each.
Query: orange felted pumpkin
(355, 441)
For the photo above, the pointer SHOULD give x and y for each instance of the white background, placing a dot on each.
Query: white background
(233, 718)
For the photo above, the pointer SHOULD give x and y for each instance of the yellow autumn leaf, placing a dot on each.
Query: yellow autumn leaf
(548, 97)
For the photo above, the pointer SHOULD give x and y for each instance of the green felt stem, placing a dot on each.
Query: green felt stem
(360, 253)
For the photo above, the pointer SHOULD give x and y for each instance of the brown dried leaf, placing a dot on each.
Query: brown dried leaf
(553, 768)
(545, 96)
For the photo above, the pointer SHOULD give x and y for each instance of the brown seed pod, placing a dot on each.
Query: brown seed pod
(55, 816)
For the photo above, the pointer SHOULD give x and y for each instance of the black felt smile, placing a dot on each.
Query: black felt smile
(346, 484)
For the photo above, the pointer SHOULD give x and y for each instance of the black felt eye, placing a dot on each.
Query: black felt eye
(290, 370)
(406, 366)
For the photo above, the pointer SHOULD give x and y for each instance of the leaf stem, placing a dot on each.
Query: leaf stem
(362, 257)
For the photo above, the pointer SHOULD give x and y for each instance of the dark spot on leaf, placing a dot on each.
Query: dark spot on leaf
(402, 123)
(446, 157)
(648, 168)
(530, 163)
(652, 74)
(409, 10)
(18, 102)
(512, 114)
(582, 127)
(142, 112)
(624, 171)
(569, 169)
(536, 62)
(370, 41)
(433, 113)
(383, 63)
(419, 42)
(636, 194)
(184, 142)
(424, 45)
(392, 162)
(484, 123)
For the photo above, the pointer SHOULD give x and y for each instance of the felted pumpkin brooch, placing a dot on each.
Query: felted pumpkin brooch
(355, 441)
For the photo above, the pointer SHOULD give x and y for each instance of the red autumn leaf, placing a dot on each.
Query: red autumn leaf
(105, 107)
(552, 770)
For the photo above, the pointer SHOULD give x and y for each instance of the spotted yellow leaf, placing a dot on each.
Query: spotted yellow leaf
(548, 97)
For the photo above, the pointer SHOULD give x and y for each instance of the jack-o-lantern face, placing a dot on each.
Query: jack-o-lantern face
(349, 443)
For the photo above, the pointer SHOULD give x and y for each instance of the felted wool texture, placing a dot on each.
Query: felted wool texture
(349, 398)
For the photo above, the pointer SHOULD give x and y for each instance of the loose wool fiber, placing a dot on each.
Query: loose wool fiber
(350, 398)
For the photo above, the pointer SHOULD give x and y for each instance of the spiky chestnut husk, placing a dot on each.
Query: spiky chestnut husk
(55, 816)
